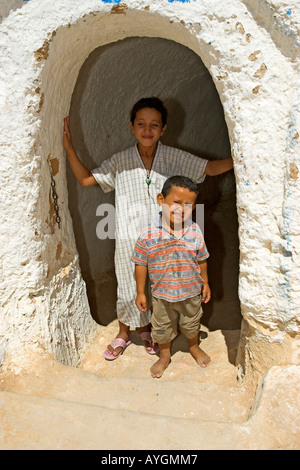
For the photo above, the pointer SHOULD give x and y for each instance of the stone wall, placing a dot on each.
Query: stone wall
(250, 49)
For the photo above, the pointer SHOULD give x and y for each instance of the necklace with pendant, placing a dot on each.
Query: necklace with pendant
(148, 179)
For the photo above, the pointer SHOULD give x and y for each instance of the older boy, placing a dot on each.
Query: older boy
(173, 252)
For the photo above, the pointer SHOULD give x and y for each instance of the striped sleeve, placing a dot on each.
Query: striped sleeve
(189, 165)
(139, 255)
(202, 252)
(105, 174)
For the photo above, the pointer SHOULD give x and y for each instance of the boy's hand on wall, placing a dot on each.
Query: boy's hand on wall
(67, 134)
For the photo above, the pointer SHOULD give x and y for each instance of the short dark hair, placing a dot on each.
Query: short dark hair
(180, 181)
(152, 102)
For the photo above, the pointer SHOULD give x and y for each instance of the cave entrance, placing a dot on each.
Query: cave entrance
(110, 81)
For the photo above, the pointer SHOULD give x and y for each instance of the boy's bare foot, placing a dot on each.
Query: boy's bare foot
(159, 367)
(200, 356)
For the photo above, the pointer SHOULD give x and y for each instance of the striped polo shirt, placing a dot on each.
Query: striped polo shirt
(173, 268)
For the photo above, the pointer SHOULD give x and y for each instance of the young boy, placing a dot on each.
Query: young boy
(137, 175)
(173, 252)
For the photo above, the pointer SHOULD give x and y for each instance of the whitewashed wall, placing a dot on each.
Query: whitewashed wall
(251, 50)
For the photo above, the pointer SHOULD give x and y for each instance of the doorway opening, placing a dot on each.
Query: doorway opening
(111, 80)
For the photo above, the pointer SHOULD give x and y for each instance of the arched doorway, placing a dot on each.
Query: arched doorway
(256, 78)
(110, 81)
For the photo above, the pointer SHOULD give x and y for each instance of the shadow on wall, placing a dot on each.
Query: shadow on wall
(111, 80)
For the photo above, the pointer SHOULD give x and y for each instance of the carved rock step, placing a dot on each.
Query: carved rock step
(187, 400)
(51, 406)
(46, 396)
(31, 422)
(186, 390)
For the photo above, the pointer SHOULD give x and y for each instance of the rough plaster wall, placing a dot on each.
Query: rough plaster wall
(251, 53)
(263, 339)
(111, 80)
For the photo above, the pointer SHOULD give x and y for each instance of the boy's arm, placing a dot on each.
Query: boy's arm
(82, 174)
(206, 294)
(140, 277)
(217, 167)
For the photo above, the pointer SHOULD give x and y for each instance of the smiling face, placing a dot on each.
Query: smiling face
(177, 206)
(147, 127)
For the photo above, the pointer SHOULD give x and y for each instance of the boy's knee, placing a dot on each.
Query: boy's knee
(189, 320)
(190, 333)
(164, 323)
(163, 336)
